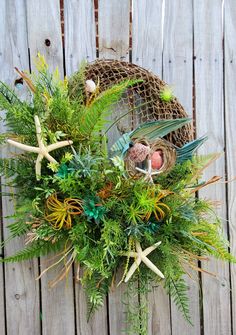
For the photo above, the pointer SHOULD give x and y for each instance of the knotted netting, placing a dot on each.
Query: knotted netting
(142, 101)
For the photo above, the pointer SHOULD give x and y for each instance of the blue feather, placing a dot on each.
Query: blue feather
(187, 151)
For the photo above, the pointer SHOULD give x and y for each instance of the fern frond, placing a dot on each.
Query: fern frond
(177, 288)
(213, 241)
(96, 289)
(93, 117)
(7, 96)
(36, 249)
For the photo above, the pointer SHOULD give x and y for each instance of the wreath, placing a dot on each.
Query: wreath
(104, 206)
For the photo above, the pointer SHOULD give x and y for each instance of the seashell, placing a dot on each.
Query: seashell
(138, 152)
(90, 86)
(157, 160)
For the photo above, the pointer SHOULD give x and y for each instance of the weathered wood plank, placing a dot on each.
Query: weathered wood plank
(147, 34)
(147, 52)
(80, 45)
(230, 126)
(208, 32)
(98, 321)
(58, 315)
(177, 50)
(22, 291)
(2, 302)
(45, 38)
(159, 311)
(80, 33)
(177, 72)
(113, 29)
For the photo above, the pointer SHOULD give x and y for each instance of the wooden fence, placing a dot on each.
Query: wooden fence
(191, 44)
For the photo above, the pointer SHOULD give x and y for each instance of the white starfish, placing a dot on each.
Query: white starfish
(141, 256)
(42, 150)
(148, 172)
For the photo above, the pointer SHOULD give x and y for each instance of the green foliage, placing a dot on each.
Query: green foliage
(35, 249)
(23, 218)
(178, 290)
(187, 150)
(103, 212)
(96, 288)
(93, 118)
(148, 130)
(166, 94)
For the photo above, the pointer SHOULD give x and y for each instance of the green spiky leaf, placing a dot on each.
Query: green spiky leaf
(160, 128)
(187, 151)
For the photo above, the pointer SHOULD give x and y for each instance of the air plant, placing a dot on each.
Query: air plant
(60, 213)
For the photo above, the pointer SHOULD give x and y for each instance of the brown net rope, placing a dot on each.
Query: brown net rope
(141, 102)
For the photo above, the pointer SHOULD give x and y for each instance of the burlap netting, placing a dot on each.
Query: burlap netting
(141, 101)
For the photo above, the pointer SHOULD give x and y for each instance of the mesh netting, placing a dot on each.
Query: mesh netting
(141, 102)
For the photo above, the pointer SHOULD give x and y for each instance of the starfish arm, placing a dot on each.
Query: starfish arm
(149, 167)
(58, 145)
(38, 130)
(38, 166)
(50, 158)
(132, 269)
(151, 266)
(23, 146)
(141, 170)
(154, 173)
(130, 254)
(150, 249)
(138, 247)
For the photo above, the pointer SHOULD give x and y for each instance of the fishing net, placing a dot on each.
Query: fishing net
(141, 102)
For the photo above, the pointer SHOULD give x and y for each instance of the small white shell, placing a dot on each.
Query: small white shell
(90, 86)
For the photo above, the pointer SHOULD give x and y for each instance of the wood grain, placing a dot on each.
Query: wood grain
(80, 33)
(147, 52)
(113, 29)
(147, 34)
(208, 32)
(177, 72)
(230, 126)
(58, 313)
(21, 289)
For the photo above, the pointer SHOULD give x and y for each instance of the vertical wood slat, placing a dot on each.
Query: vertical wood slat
(80, 45)
(208, 34)
(178, 73)
(44, 36)
(80, 33)
(2, 288)
(22, 292)
(2, 302)
(147, 34)
(230, 126)
(147, 52)
(113, 30)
